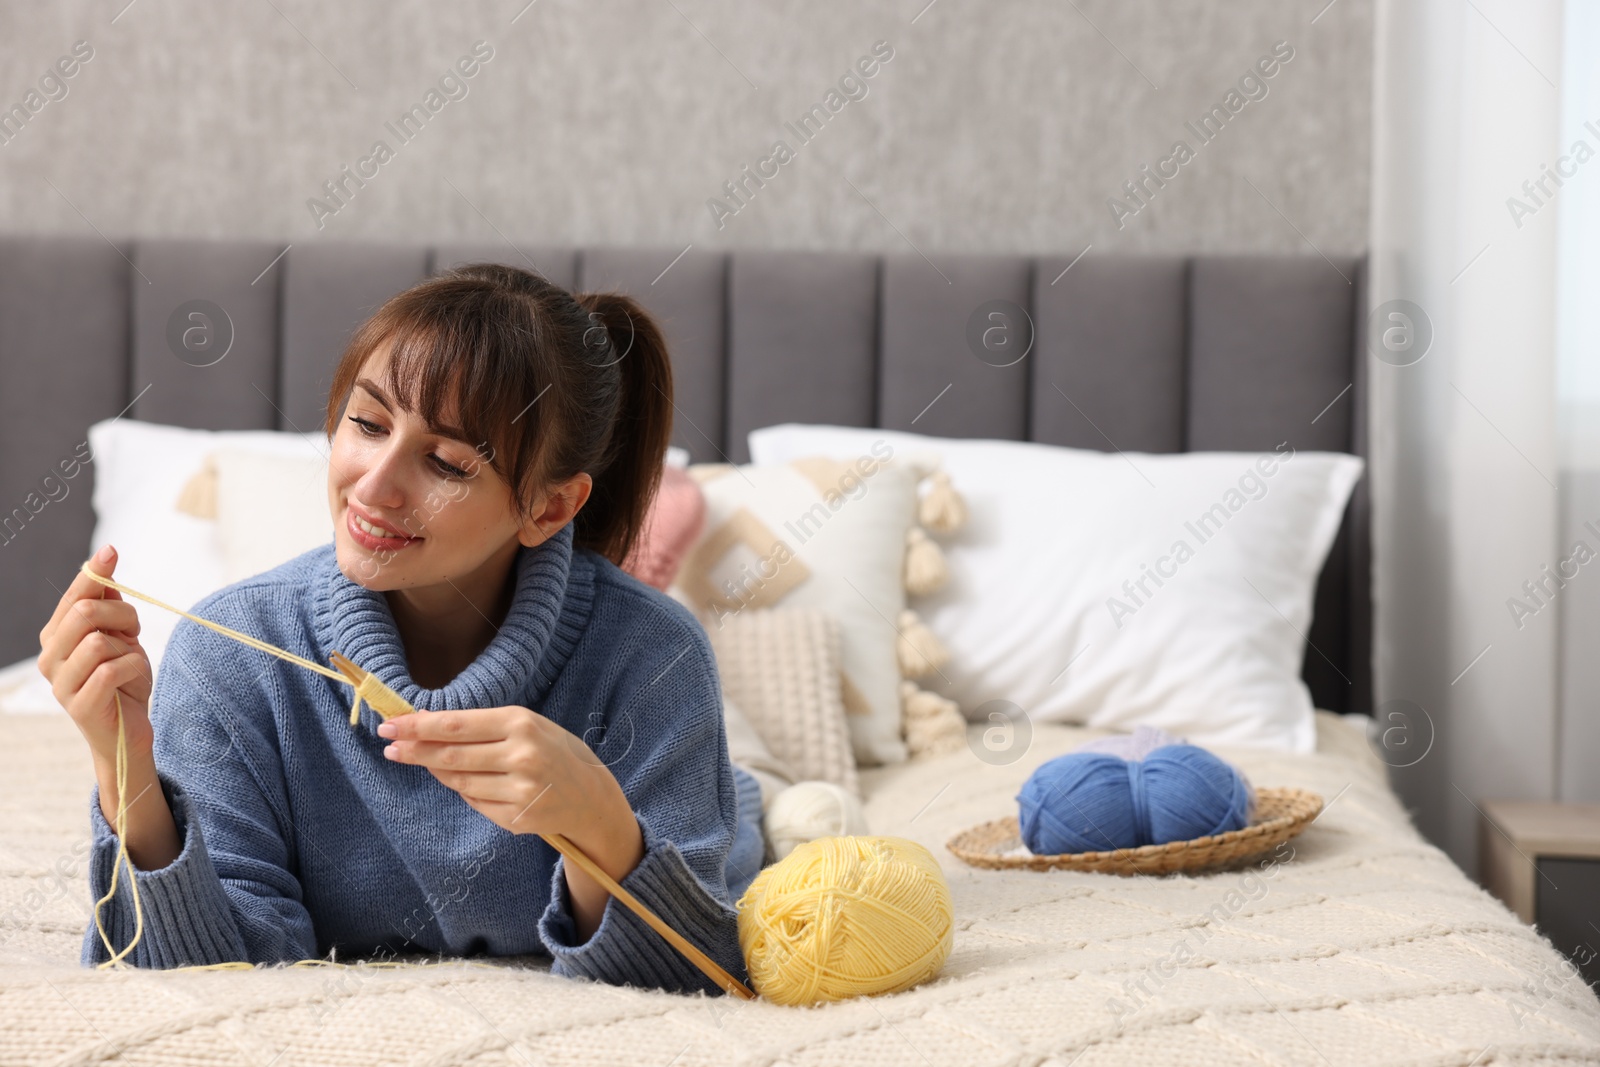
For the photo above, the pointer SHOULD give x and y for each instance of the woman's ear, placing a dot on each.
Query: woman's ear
(556, 507)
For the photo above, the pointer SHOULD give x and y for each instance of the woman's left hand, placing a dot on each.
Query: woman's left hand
(529, 775)
(519, 769)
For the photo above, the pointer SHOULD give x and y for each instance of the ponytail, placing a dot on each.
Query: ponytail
(623, 334)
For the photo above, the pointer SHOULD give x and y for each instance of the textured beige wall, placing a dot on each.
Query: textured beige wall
(995, 126)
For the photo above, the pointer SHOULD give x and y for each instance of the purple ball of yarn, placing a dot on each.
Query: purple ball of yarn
(1093, 801)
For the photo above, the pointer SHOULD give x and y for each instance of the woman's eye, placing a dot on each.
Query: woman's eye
(372, 429)
(367, 428)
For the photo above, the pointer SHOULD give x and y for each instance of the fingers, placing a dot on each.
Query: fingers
(72, 674)
(474, 724)
(489, 787)
(481, 756)
(512, 816)
(83, 587)
(84, 617)
(126, 673)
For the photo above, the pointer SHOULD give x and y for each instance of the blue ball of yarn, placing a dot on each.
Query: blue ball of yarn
(1094, 801)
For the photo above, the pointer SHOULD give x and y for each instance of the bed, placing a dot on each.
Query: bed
(1366, 945)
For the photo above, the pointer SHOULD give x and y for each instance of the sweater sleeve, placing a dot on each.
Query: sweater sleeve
(668, 750)
(228, 895)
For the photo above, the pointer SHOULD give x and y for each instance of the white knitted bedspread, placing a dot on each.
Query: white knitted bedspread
(1367, 946)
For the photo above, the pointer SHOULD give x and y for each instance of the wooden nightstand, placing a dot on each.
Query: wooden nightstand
(1543, 860)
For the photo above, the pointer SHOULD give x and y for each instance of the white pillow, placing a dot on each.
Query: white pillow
(1037, 612)
(291, 490)
(140, 470)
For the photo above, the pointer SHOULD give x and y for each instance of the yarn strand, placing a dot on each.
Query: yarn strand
(368, 687)
(122, 850)
(253, 642)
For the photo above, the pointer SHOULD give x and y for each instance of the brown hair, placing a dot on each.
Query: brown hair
(552, 382)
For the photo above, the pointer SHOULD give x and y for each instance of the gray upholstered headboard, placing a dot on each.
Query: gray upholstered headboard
(1140, 354)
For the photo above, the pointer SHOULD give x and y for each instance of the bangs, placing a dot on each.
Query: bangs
(470, 350)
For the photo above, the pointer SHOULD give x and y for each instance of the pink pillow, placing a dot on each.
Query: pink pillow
(671, 527)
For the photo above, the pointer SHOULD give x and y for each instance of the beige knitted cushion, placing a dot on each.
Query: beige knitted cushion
(781, 667)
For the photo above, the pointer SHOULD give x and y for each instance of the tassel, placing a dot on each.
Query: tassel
(942, 509)
(918, 650)
(199, 495)
(932, 724)
(925, 569)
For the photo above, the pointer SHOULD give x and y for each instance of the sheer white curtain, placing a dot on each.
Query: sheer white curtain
(1578, 386)
(1467, 107)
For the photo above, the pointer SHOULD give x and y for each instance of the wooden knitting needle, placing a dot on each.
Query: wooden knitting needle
(349, 668)
(574, 854)
(707, 965)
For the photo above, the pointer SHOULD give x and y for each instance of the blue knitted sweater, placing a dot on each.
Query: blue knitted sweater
(299, 837)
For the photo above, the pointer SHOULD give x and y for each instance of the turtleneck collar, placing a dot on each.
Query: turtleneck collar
(549, 609)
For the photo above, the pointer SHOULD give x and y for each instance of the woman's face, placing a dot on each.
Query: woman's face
(441, 509)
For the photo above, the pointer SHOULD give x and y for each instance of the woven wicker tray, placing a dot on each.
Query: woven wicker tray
(1280, 814)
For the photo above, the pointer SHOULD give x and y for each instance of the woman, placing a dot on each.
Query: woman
(495, 443)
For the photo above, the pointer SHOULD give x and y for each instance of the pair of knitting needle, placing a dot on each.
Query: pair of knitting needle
(390, 704)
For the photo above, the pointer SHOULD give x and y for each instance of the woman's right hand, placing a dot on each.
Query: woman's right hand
(89, 650)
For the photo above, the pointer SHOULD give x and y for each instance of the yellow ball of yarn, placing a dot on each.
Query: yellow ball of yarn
(841, 917)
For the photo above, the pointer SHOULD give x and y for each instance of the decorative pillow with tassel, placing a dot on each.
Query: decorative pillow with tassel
(930, 723)
(853, 538)
(817, 533)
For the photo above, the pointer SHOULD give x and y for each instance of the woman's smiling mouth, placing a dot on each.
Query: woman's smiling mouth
(374, 536)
